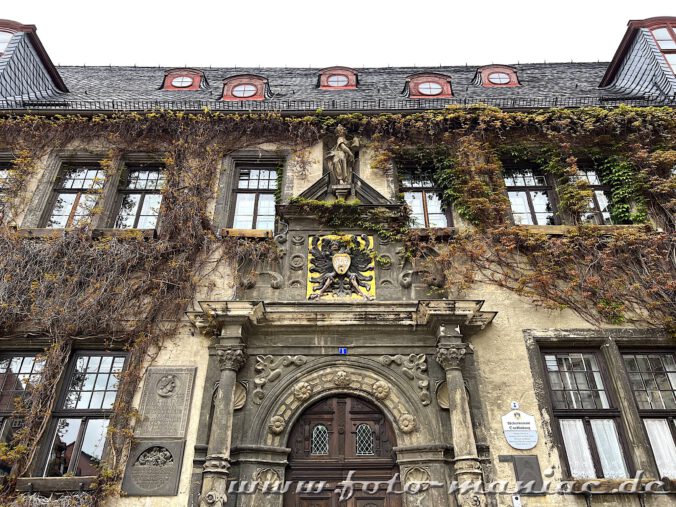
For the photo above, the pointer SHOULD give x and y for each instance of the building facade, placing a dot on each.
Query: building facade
(342, 355)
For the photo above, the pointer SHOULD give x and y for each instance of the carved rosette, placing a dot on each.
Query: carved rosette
(381, 390)
(231, 358)
(407, 423)
(214, 498)
(450, 357)
(342, 379)
(302, 391)
(277, 424)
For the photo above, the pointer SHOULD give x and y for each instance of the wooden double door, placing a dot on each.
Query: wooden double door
(332, 438)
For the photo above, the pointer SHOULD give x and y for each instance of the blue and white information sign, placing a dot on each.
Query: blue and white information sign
(520, 430)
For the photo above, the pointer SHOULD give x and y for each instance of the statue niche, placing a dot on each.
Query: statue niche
(341, 162)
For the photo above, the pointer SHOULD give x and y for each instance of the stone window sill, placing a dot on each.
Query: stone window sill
(604, 486)
(55, 484)
(560, 230)
(95, 233)
(246, 233)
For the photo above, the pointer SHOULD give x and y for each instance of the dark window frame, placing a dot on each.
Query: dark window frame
(600, 187)
(549, 188)
(671, 30)
(247, 165)
(586, 415)
(425, 190)
(73, 413)
(650, 413)
(58, 188)
(123, 190)
(5, 166)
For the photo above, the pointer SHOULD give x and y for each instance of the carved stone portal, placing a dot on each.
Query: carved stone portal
(341, 267)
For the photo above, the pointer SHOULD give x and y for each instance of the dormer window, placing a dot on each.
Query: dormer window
(5, 37)
(337, 78)
(429, 85)
(665, 37)
(183, 79)
(245, 87)
(496, 75)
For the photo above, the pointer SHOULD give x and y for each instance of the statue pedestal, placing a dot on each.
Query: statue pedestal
(342, 191)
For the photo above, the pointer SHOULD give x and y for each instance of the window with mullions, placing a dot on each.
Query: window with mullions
(666, 40)
(531, 197)
(599, 205)
(423, 199)
(140, 198)
(255, 198)
(81, 420)
(320, 440)
(653, 380)
(364, 441)
(587, 421)
(75, 196)
(19, 373)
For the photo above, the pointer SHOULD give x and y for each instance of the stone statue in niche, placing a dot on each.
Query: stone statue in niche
(342, 157)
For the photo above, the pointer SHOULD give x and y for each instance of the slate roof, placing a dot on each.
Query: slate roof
(295, 89)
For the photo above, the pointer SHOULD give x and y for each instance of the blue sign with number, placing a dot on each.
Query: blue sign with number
(342, 351)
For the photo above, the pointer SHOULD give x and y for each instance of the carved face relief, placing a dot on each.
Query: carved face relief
(342, 379)
(166, 386)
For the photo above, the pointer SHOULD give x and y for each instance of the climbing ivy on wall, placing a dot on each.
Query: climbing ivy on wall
(77, 284)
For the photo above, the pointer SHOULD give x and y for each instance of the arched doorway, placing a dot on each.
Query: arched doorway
(333, 437)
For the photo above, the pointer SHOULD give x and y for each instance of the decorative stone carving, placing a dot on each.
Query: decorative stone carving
(381, 390)
(414, 368)
(342, 379)
(231, 358)
(277, 424)
(407, 423)
(240, 396)
(385, 262)
(442, 395)
(267, 477)
(450, 357)
(295, 284)
(302, 391)
(297, 239)
(341, 158)
(155, 457)
(276, 280)
(269, 369)
(419, 476)
(341, 267)
(153, 468)
(297, 262)
(215, 498)
(166, 386)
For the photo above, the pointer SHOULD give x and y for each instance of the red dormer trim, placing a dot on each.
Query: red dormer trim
(260, 84)
(485, 72)
(7, 25)
(197, 77)
(346, 72)
(414, 82)
(632, 27)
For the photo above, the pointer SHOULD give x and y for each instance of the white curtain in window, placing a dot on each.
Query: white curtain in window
(577, 449)
(608, 445)
(663, 446)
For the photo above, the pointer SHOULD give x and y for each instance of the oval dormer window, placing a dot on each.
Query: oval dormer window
(429, 88)
(499, 78)
(244, 90)
(182, 81)
(337, 80)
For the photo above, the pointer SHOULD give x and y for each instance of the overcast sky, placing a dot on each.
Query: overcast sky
(356, 33)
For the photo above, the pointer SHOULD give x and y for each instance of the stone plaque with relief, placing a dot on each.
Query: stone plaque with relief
(154, 468)
(165, 402)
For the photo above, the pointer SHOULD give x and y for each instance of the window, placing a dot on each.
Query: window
(5, 168)
(531, 198)
(244, 90)
(498, 78)
(587, 420)
(365, 445)
(599, 206)
(140, 198)
(81, 419)
(183, 80)
(320, 440)
(653, 380)
(666, 41)
(496, 75)
(255, 198)
(426, 207)
(75, 196)
(429, 88)
(343, 78)
(5, 37)
(426, 85)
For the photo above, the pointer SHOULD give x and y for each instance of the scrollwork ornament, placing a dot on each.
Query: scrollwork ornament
(277, 424)
(450, 357)
(381, 390)
(302, 391)
(269, 369)
(407, 423)
(214, 498)
(342, 379)
(231, 358)
(414, 368)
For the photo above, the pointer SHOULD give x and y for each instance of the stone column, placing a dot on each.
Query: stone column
(217, 465)
(450, 354)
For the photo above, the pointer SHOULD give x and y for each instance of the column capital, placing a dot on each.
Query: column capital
(450, 356)
(231, 357)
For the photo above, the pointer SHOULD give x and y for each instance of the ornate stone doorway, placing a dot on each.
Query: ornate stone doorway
(333, 437)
